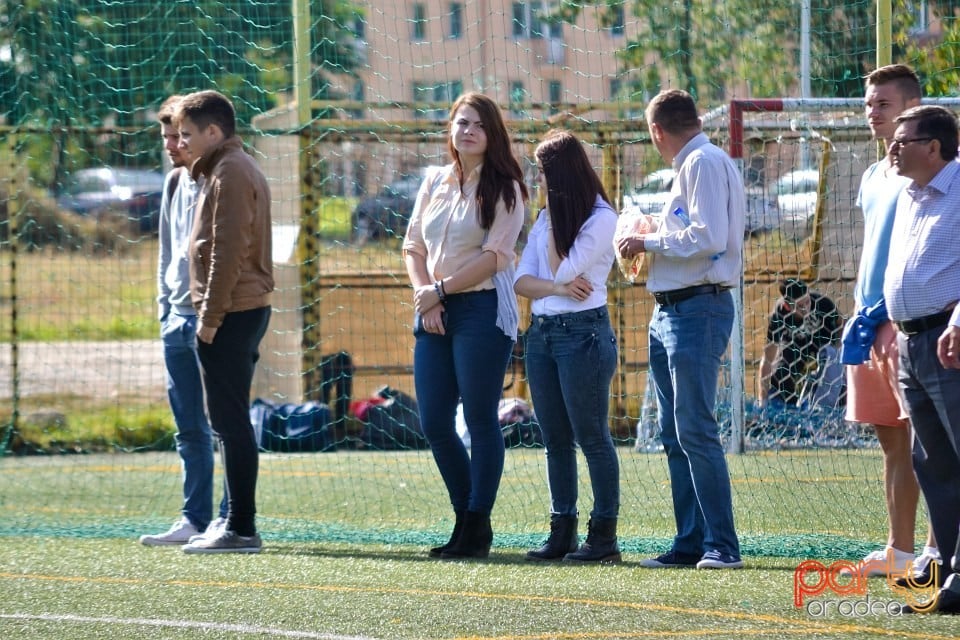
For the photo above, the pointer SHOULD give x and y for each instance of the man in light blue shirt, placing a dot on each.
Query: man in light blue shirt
(870, 338)
(178, 331)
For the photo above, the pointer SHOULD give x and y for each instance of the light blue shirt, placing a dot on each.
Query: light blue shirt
(700, 238)
(176, 221)
(879, 189)
(923, 270)
(591, 256)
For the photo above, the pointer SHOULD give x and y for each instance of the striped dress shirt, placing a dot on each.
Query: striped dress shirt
(923, 269)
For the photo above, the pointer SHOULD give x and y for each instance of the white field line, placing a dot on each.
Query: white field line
(184, 624)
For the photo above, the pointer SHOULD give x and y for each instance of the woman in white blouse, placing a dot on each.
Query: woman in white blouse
(571, 350)
(459, 254)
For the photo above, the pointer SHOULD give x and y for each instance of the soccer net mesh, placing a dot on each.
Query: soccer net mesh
(86, 436)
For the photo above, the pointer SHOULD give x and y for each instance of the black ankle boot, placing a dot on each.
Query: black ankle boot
(474, 540)
(601, 543)
(562, 540)
(436, 552)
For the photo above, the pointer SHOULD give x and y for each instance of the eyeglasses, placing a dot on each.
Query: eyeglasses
(902, 142)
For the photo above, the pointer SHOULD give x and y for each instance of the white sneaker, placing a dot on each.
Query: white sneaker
(922, 561)
(180, 533)
(878, 563)
(226, 542)
(216, 526)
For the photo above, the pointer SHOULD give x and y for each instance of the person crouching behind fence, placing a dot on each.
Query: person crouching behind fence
(459, 254)
(571, 348)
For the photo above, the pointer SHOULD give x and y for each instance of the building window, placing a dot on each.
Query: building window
(446, 92)
(555, 90)
(359, 93)
(441, 93)
(422, 93)
(419, 22)
(527, 20)
(359, 27)
(456, 20)
(518, 96)
(616, 85)
(617, 20)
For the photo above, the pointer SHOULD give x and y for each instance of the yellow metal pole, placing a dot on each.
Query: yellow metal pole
(884, 46)
(819, 216)
(884, 32)
(13, 230)
(308, 248)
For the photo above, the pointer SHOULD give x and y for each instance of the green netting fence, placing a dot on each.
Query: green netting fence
(343, 103)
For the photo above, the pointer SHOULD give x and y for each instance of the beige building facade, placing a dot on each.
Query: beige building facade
(430, 51)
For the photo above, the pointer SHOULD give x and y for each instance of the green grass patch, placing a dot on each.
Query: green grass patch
(86, 425)
(97, 588)
(346, 535)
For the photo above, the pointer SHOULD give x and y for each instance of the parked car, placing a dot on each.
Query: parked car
(387, 213)
(654, 194)
(797, 194)
(134, 194)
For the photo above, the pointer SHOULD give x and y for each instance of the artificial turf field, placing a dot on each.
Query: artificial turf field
(342, 560)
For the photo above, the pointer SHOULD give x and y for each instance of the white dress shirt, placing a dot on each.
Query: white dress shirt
(591, 256)
(700, 238)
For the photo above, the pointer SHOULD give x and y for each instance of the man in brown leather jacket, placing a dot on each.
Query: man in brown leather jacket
(231, 280)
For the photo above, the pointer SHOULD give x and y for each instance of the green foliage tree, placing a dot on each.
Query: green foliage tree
(718, 48)
(94, 63)
(937, 62)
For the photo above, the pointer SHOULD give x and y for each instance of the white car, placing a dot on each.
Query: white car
(654, 194)
(797, 194)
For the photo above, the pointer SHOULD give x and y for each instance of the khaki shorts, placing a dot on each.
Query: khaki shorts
(873, 391)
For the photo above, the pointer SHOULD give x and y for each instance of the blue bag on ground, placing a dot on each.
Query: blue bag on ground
(292, 428)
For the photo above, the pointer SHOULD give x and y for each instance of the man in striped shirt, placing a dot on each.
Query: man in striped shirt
(921, 288)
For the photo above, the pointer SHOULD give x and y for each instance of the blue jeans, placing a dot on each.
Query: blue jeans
(194, 439)
(571, 359)
(932, 394)
(468, 362)
(226, 366)
(687, 342)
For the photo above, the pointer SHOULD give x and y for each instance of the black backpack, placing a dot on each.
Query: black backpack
(393, 424)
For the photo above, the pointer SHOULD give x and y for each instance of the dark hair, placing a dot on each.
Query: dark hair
(937, 123)
(572, 186)
(168, 109)
(674, 111)
(500, 171)
(209, 107)
(905, 78)
(793, 289)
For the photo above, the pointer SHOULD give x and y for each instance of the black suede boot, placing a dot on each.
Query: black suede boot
(562, 540)
(601, 543)
(436, 552)
(474, 540)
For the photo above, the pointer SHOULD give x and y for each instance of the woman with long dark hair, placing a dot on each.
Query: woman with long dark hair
(571, 350)
(459, 251)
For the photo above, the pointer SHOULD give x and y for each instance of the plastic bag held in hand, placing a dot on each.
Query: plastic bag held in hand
(632, 223)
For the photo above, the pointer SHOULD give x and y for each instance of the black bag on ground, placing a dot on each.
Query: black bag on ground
(393, 424)
(292, 428)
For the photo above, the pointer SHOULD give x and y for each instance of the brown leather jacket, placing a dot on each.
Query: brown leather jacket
(231, 266)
